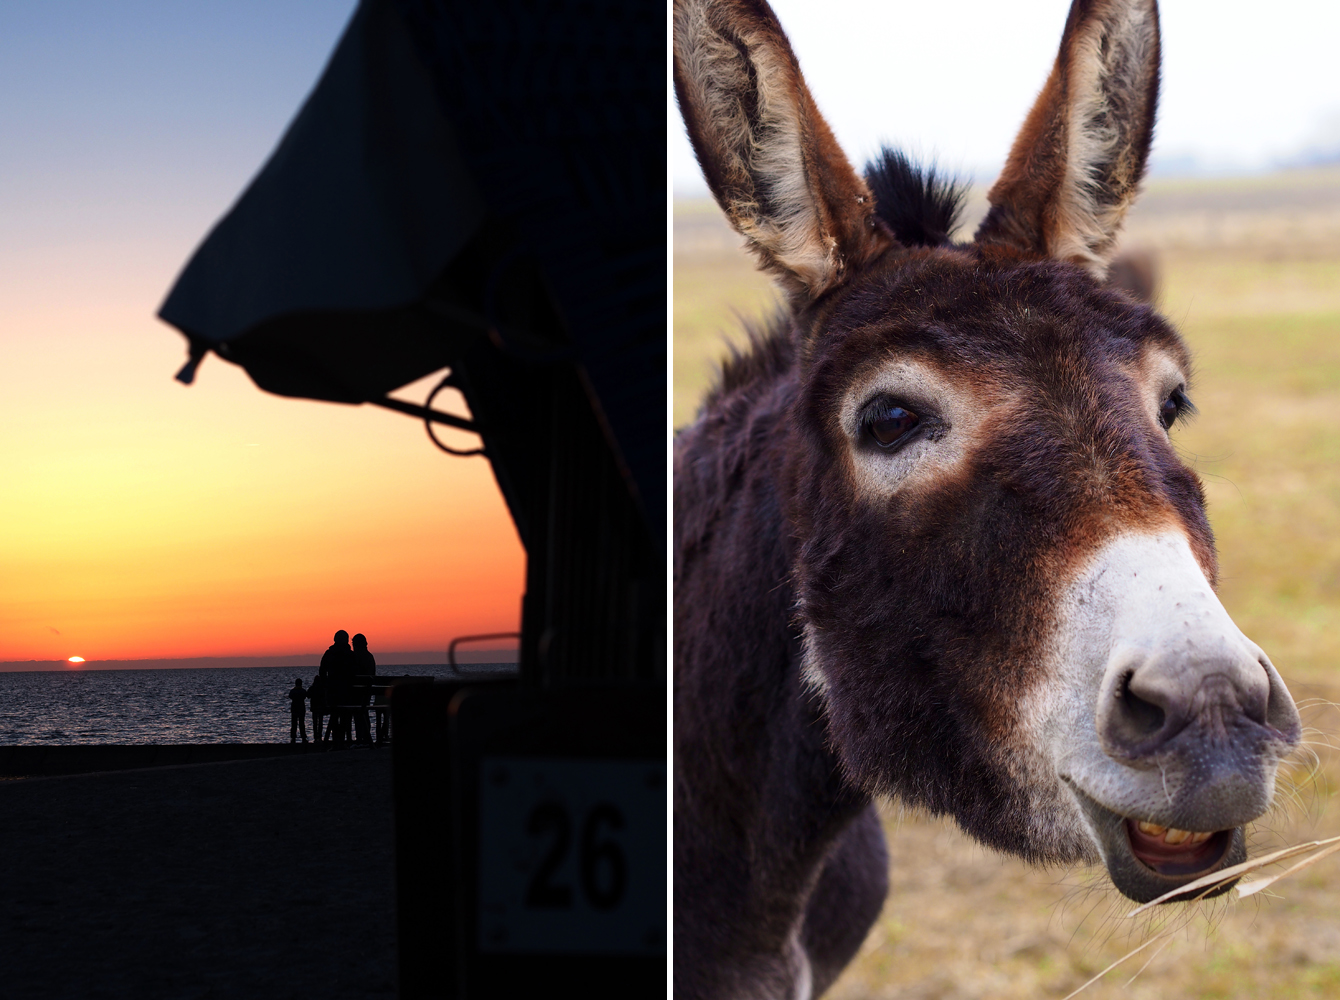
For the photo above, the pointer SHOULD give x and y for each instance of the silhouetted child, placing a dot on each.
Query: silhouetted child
(297, 712)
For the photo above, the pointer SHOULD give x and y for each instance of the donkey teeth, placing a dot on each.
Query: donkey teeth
(1173, 836)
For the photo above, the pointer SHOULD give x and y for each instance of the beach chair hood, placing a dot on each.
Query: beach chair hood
(311, 279)
(468, 186)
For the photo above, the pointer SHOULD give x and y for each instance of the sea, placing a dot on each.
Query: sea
(198, 705)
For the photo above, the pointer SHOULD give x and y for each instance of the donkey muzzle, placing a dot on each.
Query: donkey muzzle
(1186, 722)
(1209, 730)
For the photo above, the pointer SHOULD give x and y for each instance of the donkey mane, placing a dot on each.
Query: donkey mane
(768, 354)
(921, 207)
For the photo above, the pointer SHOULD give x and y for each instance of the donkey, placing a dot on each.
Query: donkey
(931, 537)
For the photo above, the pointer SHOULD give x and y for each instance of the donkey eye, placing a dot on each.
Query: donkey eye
(890, 424)
(1174, 406)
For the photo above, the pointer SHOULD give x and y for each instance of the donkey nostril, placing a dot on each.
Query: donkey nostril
(1142, 718)
(1139, 715)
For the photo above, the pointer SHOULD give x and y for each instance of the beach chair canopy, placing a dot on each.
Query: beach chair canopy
(477, 186)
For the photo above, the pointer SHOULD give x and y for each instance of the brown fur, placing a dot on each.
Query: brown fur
(930, 655)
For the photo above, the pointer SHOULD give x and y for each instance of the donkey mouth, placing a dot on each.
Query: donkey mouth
(1175, 853)
(1146, 860)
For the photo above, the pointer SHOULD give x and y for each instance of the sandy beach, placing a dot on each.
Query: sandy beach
(248, 878)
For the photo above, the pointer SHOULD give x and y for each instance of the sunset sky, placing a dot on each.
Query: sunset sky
(140, 518)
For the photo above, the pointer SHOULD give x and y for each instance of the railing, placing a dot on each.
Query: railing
(451, 649)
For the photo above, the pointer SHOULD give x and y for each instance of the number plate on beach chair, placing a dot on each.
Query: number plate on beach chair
(571, 856)
(530, 840)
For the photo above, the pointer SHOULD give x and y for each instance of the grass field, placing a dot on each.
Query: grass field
(1251, 276)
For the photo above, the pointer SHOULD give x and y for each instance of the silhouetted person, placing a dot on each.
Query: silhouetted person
(316, 691)
(297, 712)
(337, 670)
(365, 671)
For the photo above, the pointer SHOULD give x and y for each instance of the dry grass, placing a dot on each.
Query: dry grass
(1252, 277)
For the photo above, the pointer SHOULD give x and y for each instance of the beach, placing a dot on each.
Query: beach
(246, 878)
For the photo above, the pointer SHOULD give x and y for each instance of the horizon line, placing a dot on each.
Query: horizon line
(312, 660)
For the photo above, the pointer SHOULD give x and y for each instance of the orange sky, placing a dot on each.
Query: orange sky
(142, 518)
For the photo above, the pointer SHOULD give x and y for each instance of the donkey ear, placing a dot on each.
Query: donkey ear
(1080, 156)
(769, 157)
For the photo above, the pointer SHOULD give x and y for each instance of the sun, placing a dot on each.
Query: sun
(76, 660)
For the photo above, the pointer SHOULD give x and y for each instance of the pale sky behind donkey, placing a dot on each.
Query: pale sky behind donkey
(141, 518)
(1246, 85)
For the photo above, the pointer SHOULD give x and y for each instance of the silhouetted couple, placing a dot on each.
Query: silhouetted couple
(345, 681)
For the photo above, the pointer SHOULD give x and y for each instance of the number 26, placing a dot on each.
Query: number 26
(601, 866)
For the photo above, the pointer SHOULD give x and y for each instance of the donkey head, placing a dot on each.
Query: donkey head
(1004, 573)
